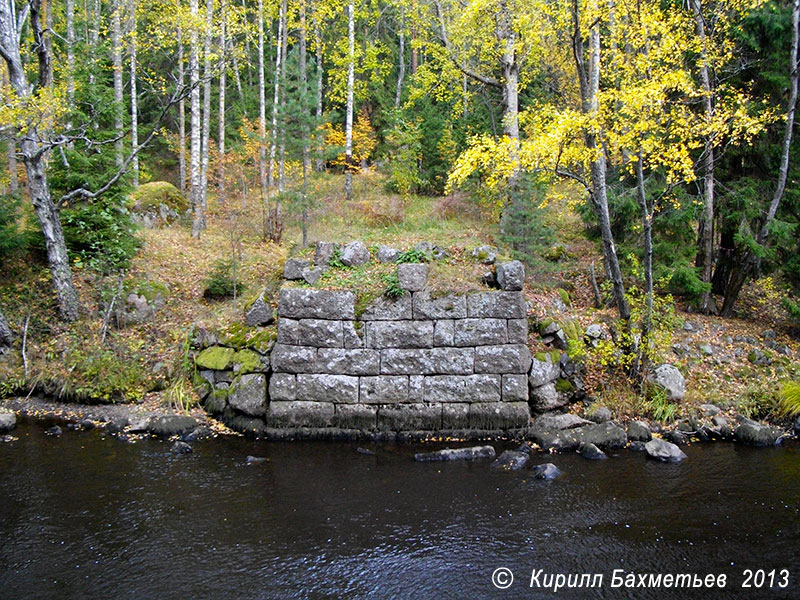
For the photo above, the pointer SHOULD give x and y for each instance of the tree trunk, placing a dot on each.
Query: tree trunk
(6, 334)
(205, 144)
(647, 231)
(94, 36)
(262, 120)
(304, 91)
(70, 76)
(401, 62)
(705, 257)
(221, 113)
(11, 147)
(320, 160)
(46, 212)
(282, 129)
(134, 98)
(273, 146)
(589, 81)
(195, 184)
(751, 264)
(181, 118)
(116, 59)
(348, 143)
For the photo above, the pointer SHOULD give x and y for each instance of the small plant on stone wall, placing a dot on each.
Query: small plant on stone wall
(335, 261)
(412, 255)
(393, 287)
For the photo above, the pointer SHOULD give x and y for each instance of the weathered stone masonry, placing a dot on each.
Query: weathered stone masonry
(414, 363)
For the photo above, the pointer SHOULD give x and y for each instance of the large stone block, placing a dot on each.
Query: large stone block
(515, 388)
(293, 268)
(398, 361)
(355, 254)
(324, 252)
(341, 361)
(455, 415)
(300, 414)
(399, 334)
(301, 303)
(511, 275)
(384, 389)
(543, 369)
(511, 358)
(249, 395)
(451, 306)
(547, 397)
(321, 333)
(410, 417)
(293, 359)
(497, 305)
(289, 331)
(517, 331)
(260, 312)
(480, 332)
(355, 416)
(453, 361)
(283, 386)
(412, 276)
(483, 388)
(327, 388)
(444, 388)
(416, 388)
(389, 309)
(498, 415)
(444, 332)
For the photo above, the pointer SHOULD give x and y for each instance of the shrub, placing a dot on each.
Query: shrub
(790, 399)
(100, 234)
(221, 283)
(12, 237)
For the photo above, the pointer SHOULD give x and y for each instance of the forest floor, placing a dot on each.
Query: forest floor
(146, 362)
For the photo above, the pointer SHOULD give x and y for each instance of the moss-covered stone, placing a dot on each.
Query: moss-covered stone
(240, 336)
(216, 358)
(149, 196)
(572, 329)
(564, 296)
(248, 361)
(564, 386)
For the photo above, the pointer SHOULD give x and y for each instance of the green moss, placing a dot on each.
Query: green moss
(150, 195)
(216, 358)
(240, 336)
(250, 361)
(571, 329)
(564, 296)
(541, 356)
(545, 324)
(564, 386)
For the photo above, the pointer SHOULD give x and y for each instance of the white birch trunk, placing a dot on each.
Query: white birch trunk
(134, 94)
(116, 59)
(348, 139)
(276, 97)
(181, 117)
(401, 62)
(205, 142)
(221, 113)
(195, 182)
(320, 160)
(262, 114)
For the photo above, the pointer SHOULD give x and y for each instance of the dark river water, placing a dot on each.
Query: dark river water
(82, 516)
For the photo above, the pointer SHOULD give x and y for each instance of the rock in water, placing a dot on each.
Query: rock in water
(365, 451)
(638, 431)
(181, 448)
(456, 454)
(510, 460)
(168, 425)
(558, 422)
(599, 414)
(55, 431)
(756, 434)
(546, 471)
(8, 420)
(664, 451)
(254, 460)
(592, 452)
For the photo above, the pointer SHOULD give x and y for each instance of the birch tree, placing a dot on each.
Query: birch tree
(181, 116)
(205, 144)
(32, 150)
(195, 176)
(221, 111)
(134, 96)
(348, 145)
(116, 60)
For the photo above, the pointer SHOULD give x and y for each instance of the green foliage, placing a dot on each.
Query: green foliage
(759, 400)
(412, 255)
(524, 227)
(12, 237)
(150, 195)
(180, 396)
(685, 279)
(100, 234)
(790, 398)
(335, 261)
(405, 143)
(393, 287)
(792, 307)
(658, 406)
(220, 283)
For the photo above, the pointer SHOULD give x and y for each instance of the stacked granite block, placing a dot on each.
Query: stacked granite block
(414, 363)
